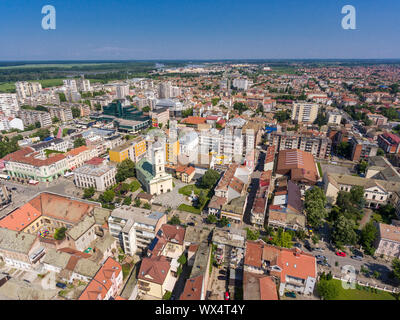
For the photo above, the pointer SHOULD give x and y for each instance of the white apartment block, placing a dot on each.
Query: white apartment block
(70, 84)
(100, 177)
(242, 84)
(29, 117)
(9, 104)
(64, 114)
(304, 112)
(135, 227)
(334, 118)
(122, 91)
(26, 89)
(8, 123)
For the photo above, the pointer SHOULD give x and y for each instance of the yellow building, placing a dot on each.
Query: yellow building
(172, 151)
(133, 149)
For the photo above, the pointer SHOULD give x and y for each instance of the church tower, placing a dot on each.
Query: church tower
(158, 160)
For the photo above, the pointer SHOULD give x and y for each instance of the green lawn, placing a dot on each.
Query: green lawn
(363, 294)
(319, 169)
(187, 208)
(7, 87)
(187, 190)
(134, 185)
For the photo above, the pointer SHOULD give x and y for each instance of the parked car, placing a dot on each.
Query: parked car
(320, 257)
(340, 253)
(318, 249)
(290, 294)
(359, 258)
(27, 281)
(307, 246)
(297, 245)
(226, 295)
(61, 285)
(190, 224)
(323, 263)
(13, 188)
(223, 272)
(221, 278)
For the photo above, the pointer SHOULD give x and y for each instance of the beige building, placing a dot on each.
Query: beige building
(388, 240)
(304, 112)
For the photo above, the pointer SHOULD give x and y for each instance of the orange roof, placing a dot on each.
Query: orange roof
(154, 269)
(102, 281)
(296, 263)
(194, 120)
(20, 218)
(253, 254)
(268, 289)
(76, 151)
(193, 289)
(27, 155)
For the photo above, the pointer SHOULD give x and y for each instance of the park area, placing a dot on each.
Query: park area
(360, 293)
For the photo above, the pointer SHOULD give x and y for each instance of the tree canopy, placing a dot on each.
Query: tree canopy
(125, 170)
(79, 142)
(314, 204)
(209, 179)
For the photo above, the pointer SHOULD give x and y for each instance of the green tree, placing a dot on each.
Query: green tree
(127, 201)
(223, 222)
(147, 206)
(343, 231)
(209, 179)
(362, 166)
(76, 113)
(174, 220)
(211, 219)
(343, 149)
(380, 152)
(60, 233)
(327, 289)
(282, 238)
(42, 134)
(62, 97)
(137, 203)
(240, 107)
(146, 109)
(357, 196)
(252, 235)
(125, 170)
(79, 142)
(396, 268)
(88, 192)
(37, 124)
(108, 196)
(282, 116)
(55, 120)
(182, 259)
(314, 205)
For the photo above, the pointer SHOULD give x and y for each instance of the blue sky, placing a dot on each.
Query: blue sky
(198, 29)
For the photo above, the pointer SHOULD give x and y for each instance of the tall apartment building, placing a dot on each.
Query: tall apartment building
(70, 85)
(319, 147)
(242, 84)
(83, 84)
(26, 89)
(164, 90)
(122, 91)
(9, 104)
(62, 113)
(29, 117)
(304, 112)
(362, 149)
(135, 227)
(334, 117)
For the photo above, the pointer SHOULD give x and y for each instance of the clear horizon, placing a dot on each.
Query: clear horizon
(199, 30)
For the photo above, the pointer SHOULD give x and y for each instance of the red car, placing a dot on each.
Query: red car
(226, 295)
(340, 254)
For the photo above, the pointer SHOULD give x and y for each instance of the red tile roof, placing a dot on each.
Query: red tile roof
(154, 269)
